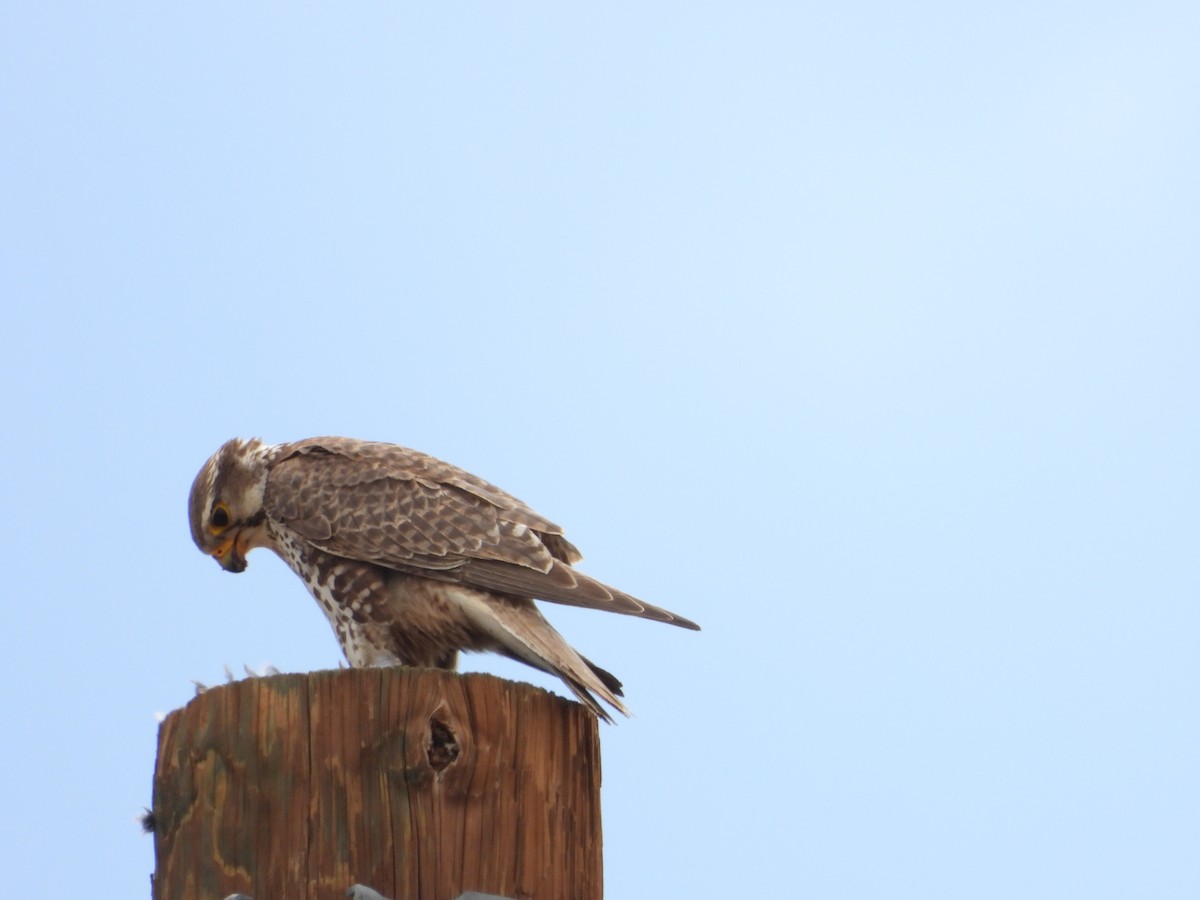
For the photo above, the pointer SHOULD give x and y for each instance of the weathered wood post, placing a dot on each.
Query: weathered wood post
(420, 783)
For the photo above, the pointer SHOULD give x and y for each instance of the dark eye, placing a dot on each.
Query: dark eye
(220, 517)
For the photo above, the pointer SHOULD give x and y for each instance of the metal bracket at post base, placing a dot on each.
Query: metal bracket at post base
(362, 892)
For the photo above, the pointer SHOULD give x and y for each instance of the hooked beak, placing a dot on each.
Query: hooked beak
(228, 554)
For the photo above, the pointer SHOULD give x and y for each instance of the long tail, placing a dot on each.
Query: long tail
(523, 633)
(564, 584)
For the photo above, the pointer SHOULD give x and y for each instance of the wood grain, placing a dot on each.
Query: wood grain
(421, 783)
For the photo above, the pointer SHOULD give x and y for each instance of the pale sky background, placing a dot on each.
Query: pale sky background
(864, 334)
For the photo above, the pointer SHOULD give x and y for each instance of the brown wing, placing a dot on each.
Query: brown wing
(409, 511)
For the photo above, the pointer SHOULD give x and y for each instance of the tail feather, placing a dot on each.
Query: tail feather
(610, 680)
(522, 632)
(563, 584)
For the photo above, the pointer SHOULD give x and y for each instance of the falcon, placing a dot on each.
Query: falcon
(412, 559)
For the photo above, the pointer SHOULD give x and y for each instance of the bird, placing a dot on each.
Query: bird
(412, 559)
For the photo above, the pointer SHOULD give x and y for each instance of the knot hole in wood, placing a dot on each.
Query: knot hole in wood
(442, 747)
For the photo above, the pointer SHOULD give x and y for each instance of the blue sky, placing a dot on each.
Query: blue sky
(866, 335)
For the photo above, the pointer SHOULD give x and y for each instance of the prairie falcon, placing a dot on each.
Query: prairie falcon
(411, 558)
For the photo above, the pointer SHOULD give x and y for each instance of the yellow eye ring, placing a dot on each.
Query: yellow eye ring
(219, 519)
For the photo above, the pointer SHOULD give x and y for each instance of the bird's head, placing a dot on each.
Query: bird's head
(226, 504)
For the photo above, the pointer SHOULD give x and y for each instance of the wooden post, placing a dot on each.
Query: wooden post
(420, 783)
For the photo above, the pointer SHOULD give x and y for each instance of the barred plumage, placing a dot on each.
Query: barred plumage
(412, 559)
